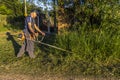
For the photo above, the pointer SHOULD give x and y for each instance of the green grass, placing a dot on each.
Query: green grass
(95, 53)
(3, 29)
(10, 64)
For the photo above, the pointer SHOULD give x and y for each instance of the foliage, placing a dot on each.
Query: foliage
(4, 10)
(14, 7)
(93, 37)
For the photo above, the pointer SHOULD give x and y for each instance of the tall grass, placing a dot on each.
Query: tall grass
(96, 45)
(3, 22)
(95, 52)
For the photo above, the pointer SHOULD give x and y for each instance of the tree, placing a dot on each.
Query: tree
(15, 7)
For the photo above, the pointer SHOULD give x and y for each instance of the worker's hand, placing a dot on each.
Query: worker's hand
(43, 34)
(32, 36)
(36, 34)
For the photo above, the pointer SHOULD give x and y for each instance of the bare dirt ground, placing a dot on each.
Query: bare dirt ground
(47, 77)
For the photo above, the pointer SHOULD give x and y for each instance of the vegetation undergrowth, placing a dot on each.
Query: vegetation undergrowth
(94, 39)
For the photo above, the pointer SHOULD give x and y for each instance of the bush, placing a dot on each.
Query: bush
(95, 42)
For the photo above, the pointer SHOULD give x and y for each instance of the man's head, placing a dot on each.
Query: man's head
(34, 14)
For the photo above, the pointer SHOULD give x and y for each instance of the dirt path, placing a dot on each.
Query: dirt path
(47, 77)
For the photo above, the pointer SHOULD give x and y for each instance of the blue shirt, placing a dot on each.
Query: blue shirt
(29, 19)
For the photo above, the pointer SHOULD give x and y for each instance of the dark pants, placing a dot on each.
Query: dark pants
(28, 46)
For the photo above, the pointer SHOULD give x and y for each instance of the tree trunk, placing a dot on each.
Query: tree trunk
(55, 20)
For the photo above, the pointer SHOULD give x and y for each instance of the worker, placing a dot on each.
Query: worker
(30, 33)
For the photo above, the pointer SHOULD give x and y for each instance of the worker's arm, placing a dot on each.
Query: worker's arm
(36, 27)
(30, 28)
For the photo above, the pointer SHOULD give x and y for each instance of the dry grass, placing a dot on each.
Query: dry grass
(49, 77)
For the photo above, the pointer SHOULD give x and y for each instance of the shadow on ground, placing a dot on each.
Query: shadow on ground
(16, 46)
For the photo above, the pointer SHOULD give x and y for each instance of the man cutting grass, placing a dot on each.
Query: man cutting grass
(30, 33)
